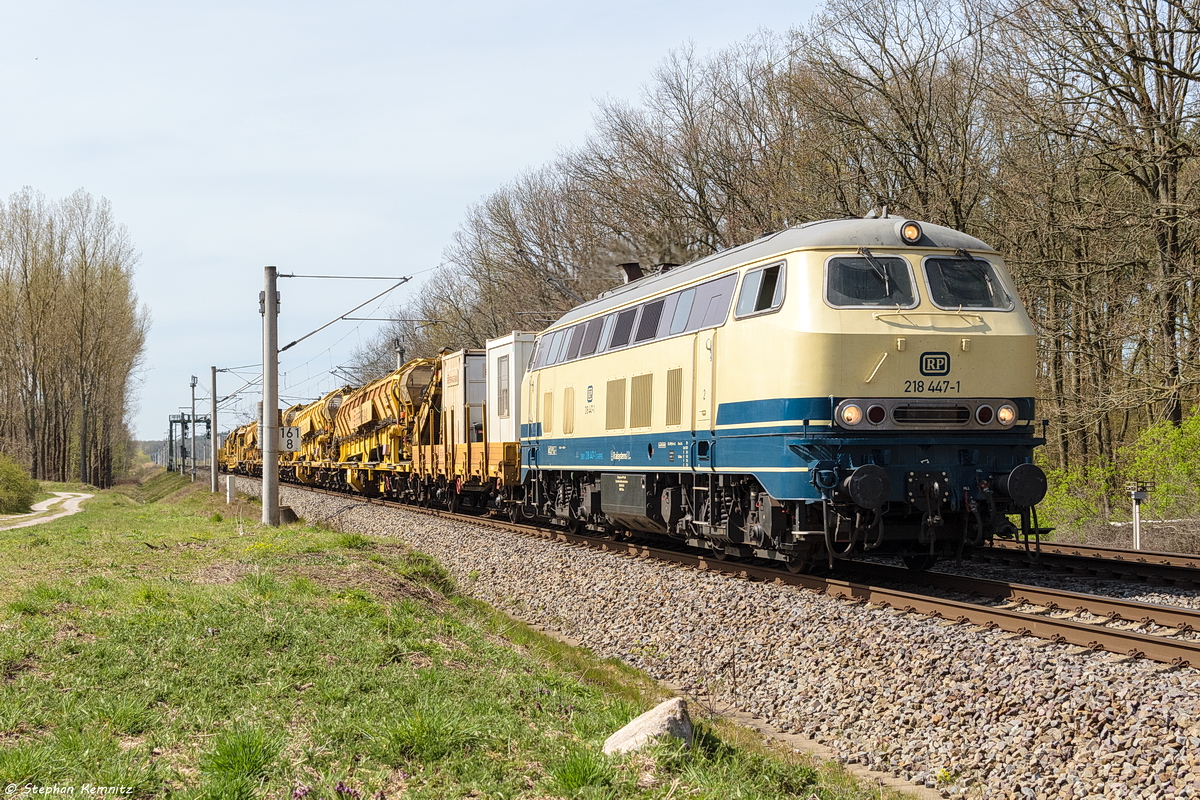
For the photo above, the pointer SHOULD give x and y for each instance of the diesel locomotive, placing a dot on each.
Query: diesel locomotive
(841, 387)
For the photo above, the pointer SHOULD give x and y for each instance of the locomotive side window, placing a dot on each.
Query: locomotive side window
(648, 326)
(711, 306)
(703, 306)
(591, 337)
(960, 282)
(762, 291)
(683, 310)
(606, 332)
(668, 314)
(572, 351)
(556, 348)
(869, 280)
(623, 329)
(544, 346)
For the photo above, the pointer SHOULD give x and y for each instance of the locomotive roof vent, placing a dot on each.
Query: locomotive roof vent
(632, 271)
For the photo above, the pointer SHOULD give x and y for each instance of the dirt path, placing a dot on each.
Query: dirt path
(72, 503)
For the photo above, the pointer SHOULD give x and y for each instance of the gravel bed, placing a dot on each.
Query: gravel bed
(972, 712)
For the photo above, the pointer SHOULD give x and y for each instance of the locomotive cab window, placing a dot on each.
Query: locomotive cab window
(762, 291)
(963, 282)
(868, 280)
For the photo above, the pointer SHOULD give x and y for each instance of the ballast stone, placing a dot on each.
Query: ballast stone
(667, 719)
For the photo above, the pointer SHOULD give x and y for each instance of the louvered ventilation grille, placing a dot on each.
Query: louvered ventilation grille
(674, 396)
(614, 397)
(640, 395)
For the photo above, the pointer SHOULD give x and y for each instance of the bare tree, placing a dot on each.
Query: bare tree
(1127, 72)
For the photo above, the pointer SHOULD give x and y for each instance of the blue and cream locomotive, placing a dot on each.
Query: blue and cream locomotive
(844, 386)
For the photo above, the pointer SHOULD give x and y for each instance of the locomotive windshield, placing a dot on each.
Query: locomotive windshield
(869, 280)
(964, 282)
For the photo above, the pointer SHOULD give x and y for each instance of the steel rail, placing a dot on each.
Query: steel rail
(1110, 608)
(1178, 652)
(1118, 554)
(1178, 568)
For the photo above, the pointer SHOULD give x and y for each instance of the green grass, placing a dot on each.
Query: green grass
(176, 647)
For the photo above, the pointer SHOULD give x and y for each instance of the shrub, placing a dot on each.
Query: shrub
(17, 489)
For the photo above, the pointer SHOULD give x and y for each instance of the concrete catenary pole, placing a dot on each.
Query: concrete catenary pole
(194, 382)
(212, 435)
(269, 426)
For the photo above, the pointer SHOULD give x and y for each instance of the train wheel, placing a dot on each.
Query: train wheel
(919, 563)
(799, 565)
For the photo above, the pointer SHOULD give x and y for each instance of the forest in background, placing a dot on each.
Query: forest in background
(1063, 132)
(71, 337)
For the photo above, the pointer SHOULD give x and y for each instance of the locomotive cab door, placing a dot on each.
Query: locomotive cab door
(702, 385)
(703, 407)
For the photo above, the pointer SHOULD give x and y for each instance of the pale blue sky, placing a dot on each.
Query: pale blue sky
(345, 137)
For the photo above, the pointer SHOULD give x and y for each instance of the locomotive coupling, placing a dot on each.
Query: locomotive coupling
(1026, 485)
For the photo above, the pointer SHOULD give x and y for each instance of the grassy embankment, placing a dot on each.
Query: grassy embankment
(165, 642)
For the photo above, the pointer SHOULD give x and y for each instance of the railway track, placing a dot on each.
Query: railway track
(1111, 629)
(1152, 567)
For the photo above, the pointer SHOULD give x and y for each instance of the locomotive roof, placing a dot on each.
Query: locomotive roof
(841, 233)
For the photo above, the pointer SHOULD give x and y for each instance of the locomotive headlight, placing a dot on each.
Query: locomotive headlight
(984, 414)
(1006, 414)
(910, 232)
(851, 414)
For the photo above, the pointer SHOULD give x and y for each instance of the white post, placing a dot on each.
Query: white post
(212, 434)
(1137, 522)
(269, 431)
(230, 489)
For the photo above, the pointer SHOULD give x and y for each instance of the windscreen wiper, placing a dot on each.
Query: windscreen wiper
(963, 255)
(880, 268)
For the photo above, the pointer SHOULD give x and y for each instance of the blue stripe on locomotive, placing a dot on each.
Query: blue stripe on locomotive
(782, 457)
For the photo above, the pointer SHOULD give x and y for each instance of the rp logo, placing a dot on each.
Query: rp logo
(935, 364)
(589, 394)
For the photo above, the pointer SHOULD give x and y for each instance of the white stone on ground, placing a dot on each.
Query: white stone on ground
(668, 719)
